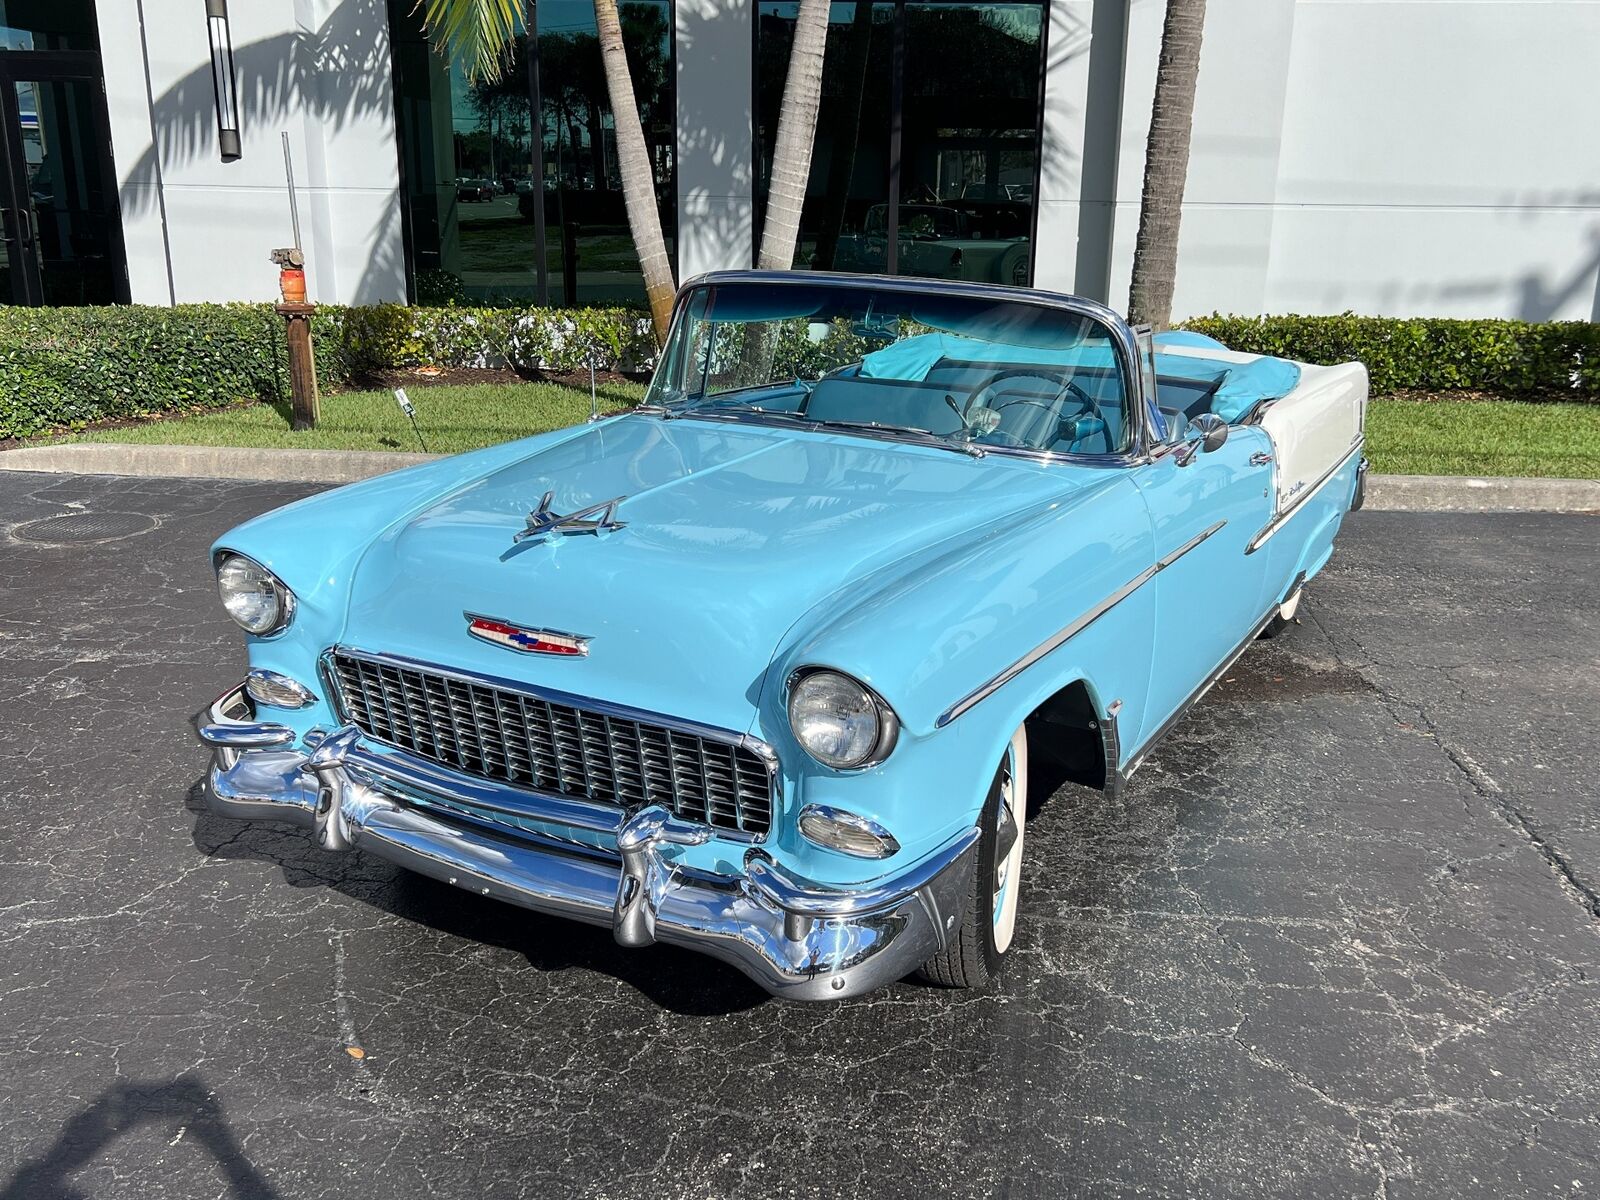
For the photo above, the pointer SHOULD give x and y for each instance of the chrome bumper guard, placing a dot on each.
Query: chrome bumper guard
(796, 938)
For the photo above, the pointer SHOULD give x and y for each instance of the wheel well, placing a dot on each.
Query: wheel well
(1064, 732)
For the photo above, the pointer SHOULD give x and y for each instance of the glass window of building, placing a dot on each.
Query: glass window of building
(953, 197)
(591, 248)
(48, 25)
(842, 221)
(468, 160)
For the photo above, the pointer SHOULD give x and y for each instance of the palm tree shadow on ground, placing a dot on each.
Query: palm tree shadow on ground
(181, 1105)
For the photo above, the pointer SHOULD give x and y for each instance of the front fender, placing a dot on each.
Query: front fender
(976, 611)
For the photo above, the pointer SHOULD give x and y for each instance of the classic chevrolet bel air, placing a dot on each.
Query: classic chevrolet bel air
(757, 667)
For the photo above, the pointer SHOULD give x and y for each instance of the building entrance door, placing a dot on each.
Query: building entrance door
(60, 222)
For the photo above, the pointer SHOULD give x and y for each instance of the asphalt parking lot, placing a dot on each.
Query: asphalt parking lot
(1341, 937)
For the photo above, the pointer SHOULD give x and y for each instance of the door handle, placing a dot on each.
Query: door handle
(1260, 459)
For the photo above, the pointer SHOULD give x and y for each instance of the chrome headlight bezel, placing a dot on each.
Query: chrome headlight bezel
(887, 732)
(282, 596)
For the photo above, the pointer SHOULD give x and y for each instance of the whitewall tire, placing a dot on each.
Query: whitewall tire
(987, 927)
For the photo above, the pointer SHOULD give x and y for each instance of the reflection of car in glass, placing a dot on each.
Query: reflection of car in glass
(759, 667)
(936, 241)
(476, 190)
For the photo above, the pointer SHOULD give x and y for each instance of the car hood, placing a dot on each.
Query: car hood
(732, 534)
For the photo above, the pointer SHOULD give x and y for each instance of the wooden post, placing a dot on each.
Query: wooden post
(302, 364)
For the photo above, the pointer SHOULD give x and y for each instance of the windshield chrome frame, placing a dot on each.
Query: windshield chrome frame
(1122, 340)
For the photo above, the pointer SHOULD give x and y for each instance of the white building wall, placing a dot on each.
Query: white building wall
(1441, 158)
(319, 69)
(716, 135)
(1427, 157)
(1396, 157)
(1062, 186)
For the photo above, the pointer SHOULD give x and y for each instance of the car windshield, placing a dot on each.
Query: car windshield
(971, 372)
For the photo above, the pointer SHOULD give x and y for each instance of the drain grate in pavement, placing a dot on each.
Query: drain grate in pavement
(84, 527)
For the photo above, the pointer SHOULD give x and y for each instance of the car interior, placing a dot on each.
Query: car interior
(995, 376)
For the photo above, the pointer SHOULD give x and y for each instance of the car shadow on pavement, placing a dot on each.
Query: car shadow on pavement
(181, 1107)
(679, 980)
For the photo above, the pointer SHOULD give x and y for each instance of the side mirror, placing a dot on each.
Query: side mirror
(1207, 432)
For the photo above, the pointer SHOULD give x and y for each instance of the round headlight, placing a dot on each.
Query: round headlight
(253, 595)
(840, 722)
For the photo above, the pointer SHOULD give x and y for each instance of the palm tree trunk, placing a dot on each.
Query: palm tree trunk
(633, 162)
(797, 128)
(1166, 165)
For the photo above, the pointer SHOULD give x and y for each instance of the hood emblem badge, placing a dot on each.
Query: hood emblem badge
(544, 519)
(529, 641)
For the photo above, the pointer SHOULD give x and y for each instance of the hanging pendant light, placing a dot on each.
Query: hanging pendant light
(223, 80)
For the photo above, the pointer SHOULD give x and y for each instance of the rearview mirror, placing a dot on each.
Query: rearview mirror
(1207, 432)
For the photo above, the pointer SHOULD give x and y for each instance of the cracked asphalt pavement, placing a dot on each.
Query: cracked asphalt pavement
(1341, 936)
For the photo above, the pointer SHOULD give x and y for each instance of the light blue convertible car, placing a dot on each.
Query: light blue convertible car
(757, 668)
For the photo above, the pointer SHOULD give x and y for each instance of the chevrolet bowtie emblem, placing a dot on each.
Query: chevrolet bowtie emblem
(543, 520)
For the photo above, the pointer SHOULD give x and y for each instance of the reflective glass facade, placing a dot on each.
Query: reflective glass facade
(468, 153)
(926, 160)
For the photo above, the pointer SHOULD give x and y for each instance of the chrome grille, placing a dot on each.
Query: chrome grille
(523, 738)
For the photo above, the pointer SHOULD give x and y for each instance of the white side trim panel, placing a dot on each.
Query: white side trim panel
(1315, 425)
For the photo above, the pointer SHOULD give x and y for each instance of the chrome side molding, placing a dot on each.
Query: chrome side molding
(1279, 521)
(994, 684)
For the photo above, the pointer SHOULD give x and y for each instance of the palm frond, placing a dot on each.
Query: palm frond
(475, 33)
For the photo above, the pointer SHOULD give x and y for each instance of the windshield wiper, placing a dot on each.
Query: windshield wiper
(925, 437)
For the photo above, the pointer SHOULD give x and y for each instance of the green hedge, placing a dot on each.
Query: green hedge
(67, 367)
(1559, 360)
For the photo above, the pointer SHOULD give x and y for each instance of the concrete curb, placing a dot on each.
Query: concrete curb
(1396, 493)
(209, 462)
(1453, 493)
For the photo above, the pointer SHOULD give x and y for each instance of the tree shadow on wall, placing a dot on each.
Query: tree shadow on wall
(183, 1107)
(335, 75)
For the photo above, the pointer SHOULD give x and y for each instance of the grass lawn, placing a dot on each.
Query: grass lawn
(451, 419)
(1404, 437)
(1483, 437)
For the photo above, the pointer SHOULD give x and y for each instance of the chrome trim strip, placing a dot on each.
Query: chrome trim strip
(1278, 522)
(1089, 618)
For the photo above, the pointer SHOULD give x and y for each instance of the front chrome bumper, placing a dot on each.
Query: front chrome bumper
(796, 938)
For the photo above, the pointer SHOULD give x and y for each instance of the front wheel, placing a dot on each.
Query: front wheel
(988, 923)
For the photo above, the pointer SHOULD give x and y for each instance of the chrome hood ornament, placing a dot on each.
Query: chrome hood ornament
(543, 519)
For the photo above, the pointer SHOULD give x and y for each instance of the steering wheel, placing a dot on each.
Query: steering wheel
(1086, 402)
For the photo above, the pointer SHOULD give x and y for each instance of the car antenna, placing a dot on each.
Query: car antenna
(594, 400)
(410, 410)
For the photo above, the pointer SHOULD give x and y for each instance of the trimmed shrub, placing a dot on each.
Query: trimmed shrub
(1558, 360)
(67, 367)
(524, 339)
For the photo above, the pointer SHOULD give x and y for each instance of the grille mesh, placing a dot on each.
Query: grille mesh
(524, 739)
